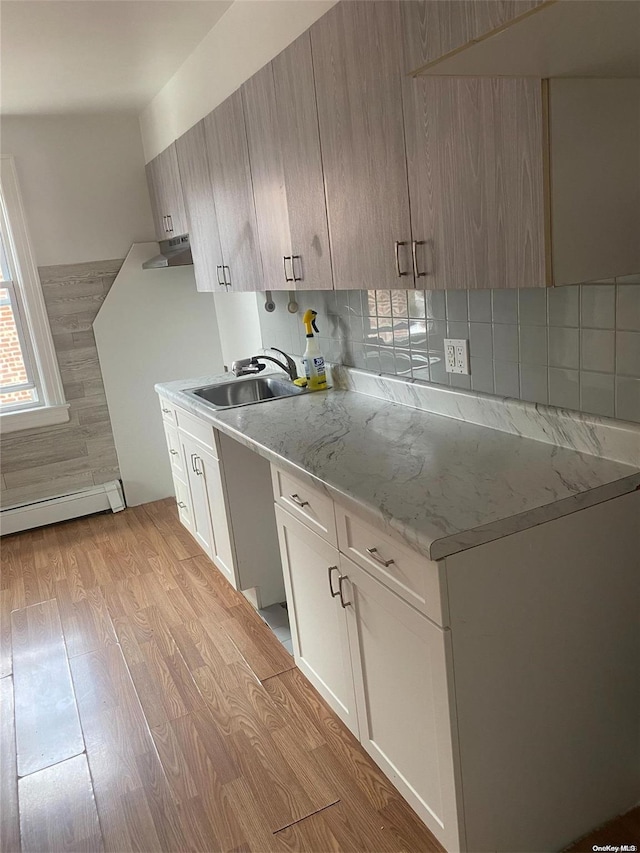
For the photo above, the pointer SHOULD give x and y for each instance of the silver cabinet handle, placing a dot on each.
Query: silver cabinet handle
(288, 277)
(334, 593)
(298, 500)
(341, 580)
(167, 411)
(193, 465)
(414, 255)
(399, 243)
(374, 553)
(199, 470)
(224, 274)
(170, 218)
(165, 224)
(218, 268)
(173, 452)
(182, 505)
(297, 258)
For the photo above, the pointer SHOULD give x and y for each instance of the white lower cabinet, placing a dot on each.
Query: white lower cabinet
(380, 664)
(224, 498)
(222, 549)
(318, 620)
(399, 663)
(192, 453)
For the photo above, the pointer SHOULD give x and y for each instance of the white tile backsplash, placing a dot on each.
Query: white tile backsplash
(576, 347)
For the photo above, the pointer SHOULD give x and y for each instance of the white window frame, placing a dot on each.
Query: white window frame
(42, 367)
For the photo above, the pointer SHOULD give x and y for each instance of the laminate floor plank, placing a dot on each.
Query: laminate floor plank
(163, 514)
(86, 623)
(207, 775)
(11, 598)
(345, 757)
(47, 724)
(253, 638)
(58, 810)
(9, 814)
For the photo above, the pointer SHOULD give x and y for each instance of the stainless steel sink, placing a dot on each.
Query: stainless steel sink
(244, 391)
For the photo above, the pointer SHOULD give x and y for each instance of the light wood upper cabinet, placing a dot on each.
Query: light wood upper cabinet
(200, 209)
(165, 191)
(267, 174)
(357, 59)
(518, 182)
(476, 182)
(286, 169)
(434, 28)
(302, 162)
(226, 141)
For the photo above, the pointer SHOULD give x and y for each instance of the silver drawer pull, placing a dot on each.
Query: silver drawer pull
(374, 553)
(182, 505)
(298, 500)
(167, 411)
(173, 452)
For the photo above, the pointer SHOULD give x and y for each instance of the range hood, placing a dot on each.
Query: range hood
(175, 252)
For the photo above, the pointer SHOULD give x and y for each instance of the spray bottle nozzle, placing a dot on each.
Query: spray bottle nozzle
(309, 321)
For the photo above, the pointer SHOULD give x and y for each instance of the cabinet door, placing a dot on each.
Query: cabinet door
(165, 191)
(297, 120)
(357, 57)
(226, 140)
(399, 660)
(160, 221)
(433, 28)
(222, 550)
(200, 209)
(476, 182)
(200, 517)
(267, 174)
(318, 622)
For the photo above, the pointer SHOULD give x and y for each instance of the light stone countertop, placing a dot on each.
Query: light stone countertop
(440, 484)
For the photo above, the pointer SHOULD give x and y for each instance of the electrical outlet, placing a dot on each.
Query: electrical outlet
(456, 355)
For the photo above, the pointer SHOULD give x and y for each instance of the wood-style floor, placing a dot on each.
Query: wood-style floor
(154, 710)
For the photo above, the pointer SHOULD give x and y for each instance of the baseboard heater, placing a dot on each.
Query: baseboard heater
(62, 507)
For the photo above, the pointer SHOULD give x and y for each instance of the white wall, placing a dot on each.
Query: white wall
(238, 323)
(153, 327)
(83, 184)
(249, 34)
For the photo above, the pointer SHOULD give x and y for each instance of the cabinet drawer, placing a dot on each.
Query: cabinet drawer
(168, 412)
(412, 576)
(173, 445)
(183, 503)
(195, 428)
(306, 503)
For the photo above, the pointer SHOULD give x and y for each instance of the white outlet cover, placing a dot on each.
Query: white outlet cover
(456, 355)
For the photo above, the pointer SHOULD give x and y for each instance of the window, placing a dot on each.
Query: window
(31, 392)
(18, 386)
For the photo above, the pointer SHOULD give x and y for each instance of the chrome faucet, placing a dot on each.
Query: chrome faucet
(247, 366)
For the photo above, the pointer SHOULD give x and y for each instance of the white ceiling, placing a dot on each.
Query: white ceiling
(79, 56)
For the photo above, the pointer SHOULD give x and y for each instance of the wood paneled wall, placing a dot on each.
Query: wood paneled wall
(47, 461)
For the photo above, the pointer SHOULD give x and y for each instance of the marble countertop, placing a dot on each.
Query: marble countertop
(440, 484)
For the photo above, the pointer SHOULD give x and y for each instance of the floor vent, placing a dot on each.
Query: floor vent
(62, 507)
